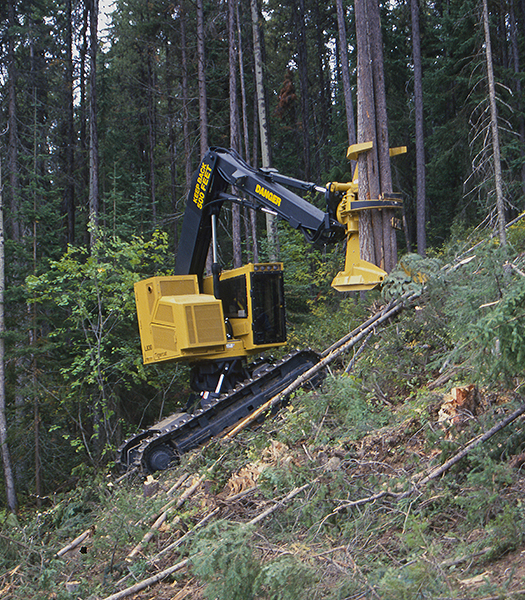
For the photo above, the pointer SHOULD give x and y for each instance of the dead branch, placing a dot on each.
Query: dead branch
(181, 565)
(76, 542)
(473, 444)
(178, 502)
(177, 484)
(273, 508)
(513, 266)
(148, 582)
(187, 535)
(147, 537)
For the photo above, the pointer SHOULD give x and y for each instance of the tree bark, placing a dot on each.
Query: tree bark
(271, 230)
(93, 129)
(184, 84)
(378, 243)
(201, 75)
(302, 58)
(151, 137)
(84, 110)
(12, 502)
(368, 182)
(498, 178)
(250, 217)
(420, 139)
(345, 71)
(172, 147)
(69, 187)
(234, 127)
(518, 88)
(12, 160)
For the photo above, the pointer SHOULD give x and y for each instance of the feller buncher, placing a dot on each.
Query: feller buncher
(217, 323)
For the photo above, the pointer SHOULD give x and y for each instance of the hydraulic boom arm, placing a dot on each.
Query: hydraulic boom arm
(221, 168)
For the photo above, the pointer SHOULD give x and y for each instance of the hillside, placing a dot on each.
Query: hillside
(340, 495)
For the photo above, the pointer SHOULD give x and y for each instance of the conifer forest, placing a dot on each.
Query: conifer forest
(107, 108)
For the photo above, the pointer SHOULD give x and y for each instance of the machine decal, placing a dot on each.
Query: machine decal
(270, 196)
(201, 186)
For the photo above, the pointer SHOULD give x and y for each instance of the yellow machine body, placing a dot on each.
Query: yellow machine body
(178, 322)
(358, 274)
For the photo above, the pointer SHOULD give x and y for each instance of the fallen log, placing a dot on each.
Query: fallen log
(338, 349)
(182, 564)
(142, 585)
(76, 542)
(185, 537)
(147, 537)
(278, 504)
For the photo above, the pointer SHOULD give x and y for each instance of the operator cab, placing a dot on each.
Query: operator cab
(253, 304)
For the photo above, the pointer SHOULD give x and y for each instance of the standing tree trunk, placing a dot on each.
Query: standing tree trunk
(271, 229)
(84, 141)
(185, 109)
(420, 139)
(518, 95)
(249, 213)
(234, 127)
(69, 187)
(302, 57)
(322, 158)
(377, 237)
(13, 128)
(498, 178)
(203, 100)
(12, 502)
(201, 76)
(152, 137)
(172, 147)
(347, 88)
(93, 130)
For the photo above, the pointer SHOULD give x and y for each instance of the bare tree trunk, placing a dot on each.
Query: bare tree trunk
(420, 138)
(201, 75)
(172, 147)
(32, 309)
(302, 57)
(498, 178)
(151, 138)
(271, 229)
(84, 141)
(374, 166)
(516, 69)
(240, 56)
(69, 188)
(13, 128)
(234, 127)
(368, 182)
(93, 129)
(184, 84)
(250, 214)
(347, 88)
(322, 115)
(12, 502)
(388, 243)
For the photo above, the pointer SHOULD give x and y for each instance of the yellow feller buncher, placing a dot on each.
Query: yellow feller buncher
(216, 323)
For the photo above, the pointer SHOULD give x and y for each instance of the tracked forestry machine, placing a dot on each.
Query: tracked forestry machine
(217, 323)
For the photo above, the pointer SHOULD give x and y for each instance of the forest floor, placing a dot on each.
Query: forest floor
(390, 483)
(345, 517)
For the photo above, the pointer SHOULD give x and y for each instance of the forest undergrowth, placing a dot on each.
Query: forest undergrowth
(339, 495)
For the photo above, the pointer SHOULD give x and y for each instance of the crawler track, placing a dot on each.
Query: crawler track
(157, 447)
